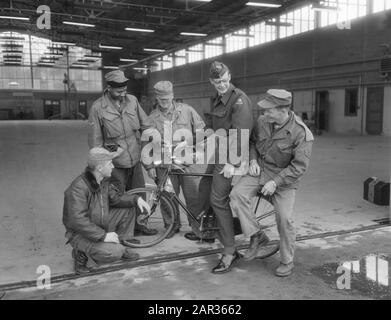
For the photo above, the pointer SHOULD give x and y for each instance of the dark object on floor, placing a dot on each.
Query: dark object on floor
(377, 191)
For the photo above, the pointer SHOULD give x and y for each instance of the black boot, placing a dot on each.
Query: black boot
(141, 230)
(193, 237)
(80, 259)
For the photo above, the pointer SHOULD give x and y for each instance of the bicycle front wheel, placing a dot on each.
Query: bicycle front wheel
(161, 219)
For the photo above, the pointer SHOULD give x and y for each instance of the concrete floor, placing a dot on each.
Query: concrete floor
(191, 279)
(40, 158)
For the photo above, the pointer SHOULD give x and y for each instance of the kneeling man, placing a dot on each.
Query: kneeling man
(97, 217)
(280, 150)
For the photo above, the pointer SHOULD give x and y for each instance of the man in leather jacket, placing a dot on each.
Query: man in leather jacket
(98, 218)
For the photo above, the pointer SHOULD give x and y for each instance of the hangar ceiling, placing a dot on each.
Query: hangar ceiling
(162, 20)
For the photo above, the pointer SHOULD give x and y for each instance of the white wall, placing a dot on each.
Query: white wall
(304, 101)
(338, 122)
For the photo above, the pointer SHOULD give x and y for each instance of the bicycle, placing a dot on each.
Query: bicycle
(163, 197)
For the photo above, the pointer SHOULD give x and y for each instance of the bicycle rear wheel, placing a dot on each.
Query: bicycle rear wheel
(266, 217)
(161, 220)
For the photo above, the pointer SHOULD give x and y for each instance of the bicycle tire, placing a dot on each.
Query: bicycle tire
(155, 221)
(268, 213)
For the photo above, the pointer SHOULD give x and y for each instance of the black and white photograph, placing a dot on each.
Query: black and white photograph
(195, 155)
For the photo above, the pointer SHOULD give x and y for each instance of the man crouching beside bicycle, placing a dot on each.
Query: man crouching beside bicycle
(280, 150)
(99, 233)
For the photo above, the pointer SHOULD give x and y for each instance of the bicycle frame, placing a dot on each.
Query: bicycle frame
(161, 184)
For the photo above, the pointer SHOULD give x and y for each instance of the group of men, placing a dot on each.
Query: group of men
(98, 213)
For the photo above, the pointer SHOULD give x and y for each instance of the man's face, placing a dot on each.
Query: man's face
(106, 169)
(274, 115)
(117, 93)
(222, 84)
(165, 103)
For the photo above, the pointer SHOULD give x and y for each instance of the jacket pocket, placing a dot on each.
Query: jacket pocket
(284, 147)
(220, 119)
(132, 119)
(283, 155)
(111, 124)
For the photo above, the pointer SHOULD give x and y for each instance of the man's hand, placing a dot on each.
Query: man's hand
(152, 173)
(269, 188)
(143, 205)
(111, 237)
(118, 152)
(228, 171)
(255, 169)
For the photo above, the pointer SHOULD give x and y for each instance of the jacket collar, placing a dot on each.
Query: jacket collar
(226, 96)
(286, 129)
(90, 180)
(176, 111)
(108, 105)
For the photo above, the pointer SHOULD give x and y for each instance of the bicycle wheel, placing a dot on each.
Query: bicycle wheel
(162, 222)
(265, 215)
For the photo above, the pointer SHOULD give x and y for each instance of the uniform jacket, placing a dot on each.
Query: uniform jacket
(283, 155)
(183, 117)
(109, 127)
(233, 110)
(86, 206)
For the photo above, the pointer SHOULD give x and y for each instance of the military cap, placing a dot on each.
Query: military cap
(116, 79)
(217, 70)
(98, 155)
(276, 98)
(164, 90)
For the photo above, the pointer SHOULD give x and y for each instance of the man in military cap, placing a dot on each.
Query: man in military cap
(116, 121)
(172, 118)
(230, 109)
(96, 217)
(280, 150)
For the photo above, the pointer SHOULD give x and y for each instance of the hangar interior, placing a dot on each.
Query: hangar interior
(333, 55)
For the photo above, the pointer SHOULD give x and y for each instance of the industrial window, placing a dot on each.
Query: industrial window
(180, 57)
(341, 11)
(83, 108)
(262, 33)
(49, 61)
(236, 40)
(214, 47)
(195, 53)
(381, 5)
(351, 102)
(297, 21)
(167, 62)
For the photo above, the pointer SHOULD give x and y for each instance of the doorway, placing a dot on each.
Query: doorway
(51, 108)
(375, 103)
(322, 110)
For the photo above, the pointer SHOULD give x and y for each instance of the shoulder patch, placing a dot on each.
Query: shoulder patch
(239, 101)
